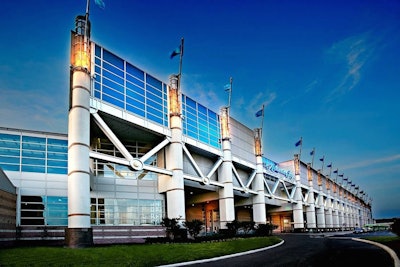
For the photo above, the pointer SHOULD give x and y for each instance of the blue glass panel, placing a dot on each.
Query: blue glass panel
(27, 168)
(9, 167)
(113, 93)
(57, 163)
(202, 109)
(134, 81)
(56, 170)
(113, 59)
(154, 118)
(58, 156)
(113, 81)
(151, 90)
(135, 110)
(29, 161)
(113, 101)
(10, 144)
(154, 111)
(32, 139)
(113, 70)
(134, 90)
(33, 154)
(59, 142)
(134, 71)
(97, 50)
(9, 137)
(153, 81)
(190, 103)
(9, 152)
(97, 94)
(62, 149)
(97, 70)
(31, 146)
(135, 103)
(97, 61)
(8, 159)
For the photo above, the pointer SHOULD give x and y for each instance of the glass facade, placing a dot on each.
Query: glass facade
(126, 211)
(33, 154)
(123, 85)
(200, 122)
(44, 210)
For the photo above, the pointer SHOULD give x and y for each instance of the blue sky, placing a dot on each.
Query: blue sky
(327, 71)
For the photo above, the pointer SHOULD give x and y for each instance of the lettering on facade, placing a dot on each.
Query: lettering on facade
(273, 167)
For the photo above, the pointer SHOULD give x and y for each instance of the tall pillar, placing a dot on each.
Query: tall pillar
(259, 211)
(79, 232)
(328, 210)
(298, 218)
(320, 210)
(310, 209)
(340, 209)
(174, 156)
(226, 199)
(335, 212)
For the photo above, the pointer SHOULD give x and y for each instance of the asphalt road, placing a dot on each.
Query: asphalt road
(311, 251)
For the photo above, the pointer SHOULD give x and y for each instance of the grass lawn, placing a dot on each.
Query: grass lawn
(128, 255)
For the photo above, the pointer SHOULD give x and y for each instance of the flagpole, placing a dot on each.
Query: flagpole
(262, 120)
(301, 145)
(313, 154)
(180, 64)
(230, 92)
(323, 161)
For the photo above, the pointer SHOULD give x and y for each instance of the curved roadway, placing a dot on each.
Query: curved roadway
(309, 250)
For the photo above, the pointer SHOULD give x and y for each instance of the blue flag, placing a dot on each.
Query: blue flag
(298, 143)
(176, 52)
(335, 171)
(329, 166)
(312, 153)
(321, 159)
(100, 3)
(259, 113)
(227, 87)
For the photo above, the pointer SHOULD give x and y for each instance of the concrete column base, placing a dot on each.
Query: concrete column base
(78, 237)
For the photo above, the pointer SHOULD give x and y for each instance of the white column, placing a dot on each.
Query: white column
(298, 218)
(335, 212)
(79, 232)
(310, 209)
(174, 157)
(225, 175)
(320, 211)
(259, 211)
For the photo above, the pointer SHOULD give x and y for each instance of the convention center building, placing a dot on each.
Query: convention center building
(139, 150)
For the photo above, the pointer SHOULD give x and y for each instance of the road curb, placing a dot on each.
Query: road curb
(386, 248)
(223, 257)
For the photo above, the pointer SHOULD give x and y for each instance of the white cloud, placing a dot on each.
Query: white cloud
(371, 162)
(353, 54)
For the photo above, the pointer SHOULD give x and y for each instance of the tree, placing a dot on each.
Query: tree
(194, 227)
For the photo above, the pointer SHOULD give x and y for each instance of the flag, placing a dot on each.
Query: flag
(176, 52)
(321, 159)
(298, 143)
(340, 175)
(227, 87)
(259, 113)
(312, 153)
(100, 3)
(329, 166)
(345, 179)
(336, 171)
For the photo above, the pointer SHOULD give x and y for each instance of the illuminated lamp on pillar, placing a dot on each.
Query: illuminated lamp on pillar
(319, 178)
(257, 141)
(309, 173)
(80, 44)
(174, 105)
(296, 164)
(225, 135)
